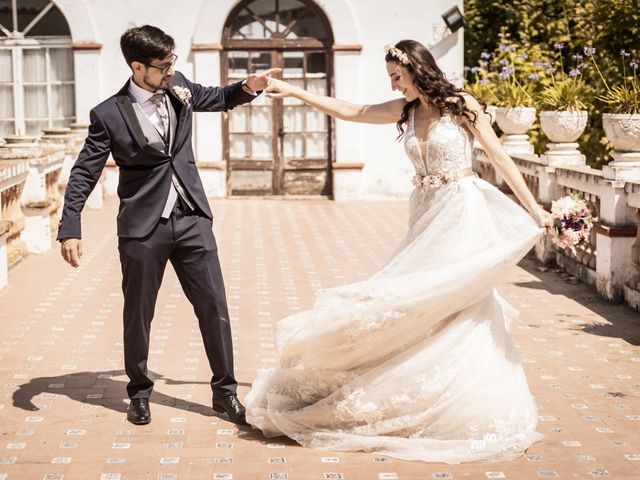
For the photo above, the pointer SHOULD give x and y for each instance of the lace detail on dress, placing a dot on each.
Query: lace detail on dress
(309, 386)
(448, 149)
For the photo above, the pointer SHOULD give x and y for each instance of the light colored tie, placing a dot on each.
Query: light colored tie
(159, 101)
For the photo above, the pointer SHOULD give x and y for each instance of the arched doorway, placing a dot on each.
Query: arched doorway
(278, 147)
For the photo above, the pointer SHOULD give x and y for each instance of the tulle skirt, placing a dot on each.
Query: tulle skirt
(416, 361)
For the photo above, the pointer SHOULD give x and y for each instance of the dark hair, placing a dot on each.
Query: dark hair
(145, 43)
(431, 82)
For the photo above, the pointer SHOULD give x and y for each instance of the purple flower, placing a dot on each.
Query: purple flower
(588, 51)
(534, 76)
(551, 70)
(583, 65)
(485, 55)
(466, 68)
(483, 63)
(504, 62)
(574, 72)
(558, 45)
(523, 56)
(634, 64)
(507, 48)
(484, 81)
(475, 69)
(577, 56)
(624, 53)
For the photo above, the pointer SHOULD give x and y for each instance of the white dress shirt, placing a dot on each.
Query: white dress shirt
(143, 98)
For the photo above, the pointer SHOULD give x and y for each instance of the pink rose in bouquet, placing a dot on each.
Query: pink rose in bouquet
(572, 221)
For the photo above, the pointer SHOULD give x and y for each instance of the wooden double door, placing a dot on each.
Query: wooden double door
(279, 146)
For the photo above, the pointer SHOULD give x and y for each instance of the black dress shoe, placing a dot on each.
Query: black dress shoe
(232, 407)
(139, 412)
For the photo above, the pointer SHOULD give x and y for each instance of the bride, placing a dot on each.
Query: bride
(416, 361)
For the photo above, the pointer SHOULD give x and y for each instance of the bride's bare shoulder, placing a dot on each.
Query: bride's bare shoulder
(469, 100)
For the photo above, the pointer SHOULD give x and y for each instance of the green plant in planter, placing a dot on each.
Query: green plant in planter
(560, 90)
(623, 98)
(515, 84)
(482, 84)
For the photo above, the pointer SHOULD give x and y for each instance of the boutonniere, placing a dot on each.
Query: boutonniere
(183, 93)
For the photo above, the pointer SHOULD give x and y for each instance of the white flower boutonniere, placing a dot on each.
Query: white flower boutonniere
(183, 93)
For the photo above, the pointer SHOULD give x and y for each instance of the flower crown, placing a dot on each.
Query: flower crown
(397, 53)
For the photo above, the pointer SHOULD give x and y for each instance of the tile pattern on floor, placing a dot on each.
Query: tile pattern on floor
(62, 395)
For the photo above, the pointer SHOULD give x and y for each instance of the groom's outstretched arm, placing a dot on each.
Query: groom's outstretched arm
(214, 99)
(83, 178)
(217, 99)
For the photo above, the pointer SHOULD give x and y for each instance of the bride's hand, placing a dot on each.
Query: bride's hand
(543, 218)
(279, 88)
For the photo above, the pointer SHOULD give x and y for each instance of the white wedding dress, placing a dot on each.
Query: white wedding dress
(416, 361)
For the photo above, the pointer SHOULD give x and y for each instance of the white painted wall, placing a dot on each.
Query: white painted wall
(359, 77)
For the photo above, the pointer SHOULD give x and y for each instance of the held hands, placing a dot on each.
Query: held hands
(71, 249)
(258, 81)
(279, 88)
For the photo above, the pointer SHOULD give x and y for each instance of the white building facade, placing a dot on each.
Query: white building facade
(59, 58)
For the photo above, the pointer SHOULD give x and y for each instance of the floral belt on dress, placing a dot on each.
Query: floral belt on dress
(437, 180)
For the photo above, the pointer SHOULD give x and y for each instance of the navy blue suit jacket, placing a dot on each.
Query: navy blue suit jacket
(145, 172)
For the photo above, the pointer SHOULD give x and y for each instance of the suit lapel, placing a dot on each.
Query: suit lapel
(180, 109)
(125, 105)
(173, 124)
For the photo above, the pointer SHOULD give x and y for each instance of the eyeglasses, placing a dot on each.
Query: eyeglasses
(165, 68)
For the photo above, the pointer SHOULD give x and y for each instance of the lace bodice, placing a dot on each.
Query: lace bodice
(448, 148)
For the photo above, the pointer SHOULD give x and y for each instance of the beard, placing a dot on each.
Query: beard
(162, 84)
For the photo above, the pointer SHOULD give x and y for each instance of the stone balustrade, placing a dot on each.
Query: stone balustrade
(33, 175)
(610, 259)
(39, 199)
(13, 175)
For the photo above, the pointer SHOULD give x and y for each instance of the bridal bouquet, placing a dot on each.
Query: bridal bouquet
(572, 221)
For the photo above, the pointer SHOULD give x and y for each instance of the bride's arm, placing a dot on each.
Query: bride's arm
(387, 112)
(502, 162)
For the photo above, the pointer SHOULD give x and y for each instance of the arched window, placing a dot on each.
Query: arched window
(36, 68)
(288, 20)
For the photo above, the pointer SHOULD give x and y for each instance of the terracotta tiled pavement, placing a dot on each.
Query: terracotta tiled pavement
(62, 385)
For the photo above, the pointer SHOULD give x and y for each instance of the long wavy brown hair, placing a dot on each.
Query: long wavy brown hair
(432, 83)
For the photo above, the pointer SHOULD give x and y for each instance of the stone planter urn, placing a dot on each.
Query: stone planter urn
(515, 122)
(623, 131)
(563, 128)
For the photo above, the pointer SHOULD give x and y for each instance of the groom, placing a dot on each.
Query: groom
(164, 214)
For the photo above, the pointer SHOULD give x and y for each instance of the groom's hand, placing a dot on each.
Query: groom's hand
(71, 249)
(258, 81)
